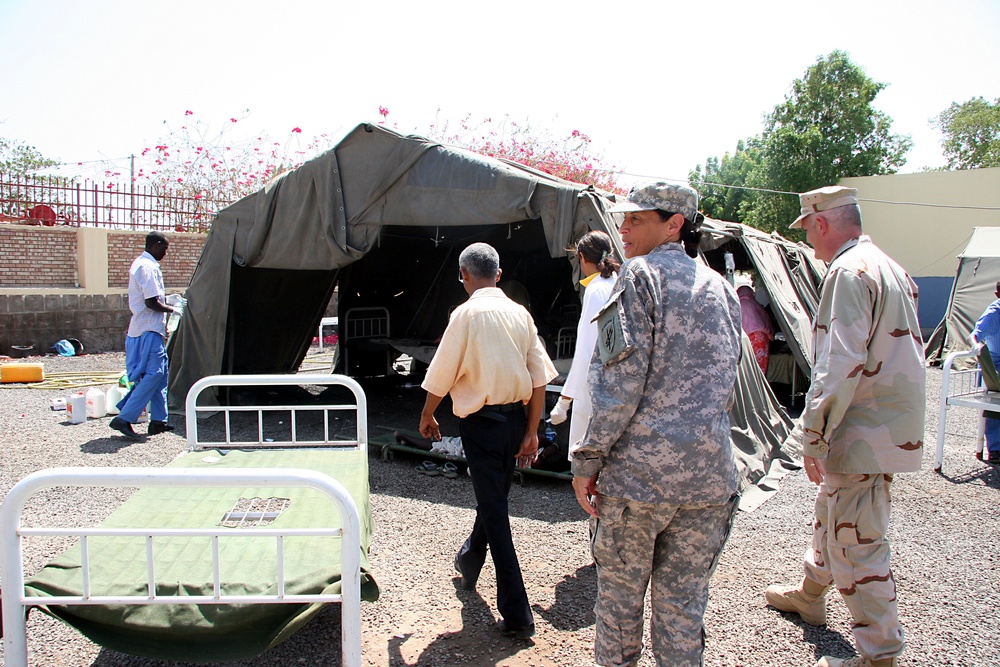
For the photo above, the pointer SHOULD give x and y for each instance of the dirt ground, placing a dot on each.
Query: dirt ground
(943, 531)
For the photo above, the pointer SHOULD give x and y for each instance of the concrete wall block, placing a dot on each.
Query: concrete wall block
(89, 319)
(101, 340)
(15, 303)
(70, 302)
(34, 303)
(98, 302)
(53, 302)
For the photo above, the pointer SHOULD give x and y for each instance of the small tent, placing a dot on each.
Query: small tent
(973, 290)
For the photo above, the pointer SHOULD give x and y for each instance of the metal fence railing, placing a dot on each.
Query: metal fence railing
(54, 200)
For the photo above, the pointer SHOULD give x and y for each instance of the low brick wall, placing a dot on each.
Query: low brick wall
(38, 257)
(178, 265)
(44, 290)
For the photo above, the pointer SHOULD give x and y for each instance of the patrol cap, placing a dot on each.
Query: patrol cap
(823, 199)
(667, 197)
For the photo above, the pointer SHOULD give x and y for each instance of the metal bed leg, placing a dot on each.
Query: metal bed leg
(942, 415)
(980, 437)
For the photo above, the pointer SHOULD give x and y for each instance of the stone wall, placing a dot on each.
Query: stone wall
(98, 321)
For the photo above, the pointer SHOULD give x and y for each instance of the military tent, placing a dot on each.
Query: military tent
(973, 290)
(383, 217)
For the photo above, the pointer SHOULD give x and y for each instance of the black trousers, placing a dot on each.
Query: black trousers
(490, 446)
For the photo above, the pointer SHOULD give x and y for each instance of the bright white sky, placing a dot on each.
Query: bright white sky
(658, 86)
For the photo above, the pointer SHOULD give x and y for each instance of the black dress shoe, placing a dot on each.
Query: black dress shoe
(468, 583)
(158, 427)
(993, 458)
(517, 633)
(124, 428)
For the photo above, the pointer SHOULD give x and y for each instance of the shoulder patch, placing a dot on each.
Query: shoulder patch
(612, 343)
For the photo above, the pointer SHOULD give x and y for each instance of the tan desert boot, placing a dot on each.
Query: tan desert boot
(808, 600)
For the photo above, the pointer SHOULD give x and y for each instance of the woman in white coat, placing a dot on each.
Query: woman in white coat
(598, 263)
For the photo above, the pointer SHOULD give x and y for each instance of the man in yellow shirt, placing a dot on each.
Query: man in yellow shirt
(495, 367)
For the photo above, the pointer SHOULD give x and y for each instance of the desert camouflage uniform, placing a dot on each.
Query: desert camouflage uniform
(663, 376)
(864, 415)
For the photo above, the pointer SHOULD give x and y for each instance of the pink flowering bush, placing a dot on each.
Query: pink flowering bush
(572, 157)
(200, 165)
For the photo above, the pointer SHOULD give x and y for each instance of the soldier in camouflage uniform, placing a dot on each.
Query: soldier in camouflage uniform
(655, 469)
(863, 421)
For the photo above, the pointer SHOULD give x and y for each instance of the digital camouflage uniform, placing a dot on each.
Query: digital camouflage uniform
(669, 343)
(864, 415)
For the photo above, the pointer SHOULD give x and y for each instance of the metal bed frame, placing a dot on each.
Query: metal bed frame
(16, 603)
(964, 388)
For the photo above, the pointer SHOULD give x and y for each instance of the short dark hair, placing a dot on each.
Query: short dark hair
(154, 238)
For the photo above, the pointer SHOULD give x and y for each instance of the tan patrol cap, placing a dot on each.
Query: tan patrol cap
(823, 199)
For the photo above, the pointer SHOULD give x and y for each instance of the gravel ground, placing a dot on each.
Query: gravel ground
(944, 554)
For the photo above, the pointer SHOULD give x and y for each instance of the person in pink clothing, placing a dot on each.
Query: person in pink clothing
(757, 324)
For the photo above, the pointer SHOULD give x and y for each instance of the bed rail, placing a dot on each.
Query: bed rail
(15, 602)
(962, 387)
(360, 408)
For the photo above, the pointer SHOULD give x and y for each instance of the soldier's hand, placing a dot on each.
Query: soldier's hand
(815, 469)
(586, 494)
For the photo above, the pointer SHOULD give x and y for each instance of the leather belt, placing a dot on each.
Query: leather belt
(497, 412)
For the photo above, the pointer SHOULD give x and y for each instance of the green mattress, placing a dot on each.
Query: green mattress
(207, 633)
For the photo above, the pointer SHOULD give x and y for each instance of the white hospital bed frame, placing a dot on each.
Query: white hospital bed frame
(16, 603)
(963, 387)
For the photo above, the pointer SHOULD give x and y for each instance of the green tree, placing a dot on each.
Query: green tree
(826, 129)
(18, 158)
(971, 133)
(720, 184)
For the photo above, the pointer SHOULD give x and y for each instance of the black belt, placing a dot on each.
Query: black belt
(506, 407)
(496, 412)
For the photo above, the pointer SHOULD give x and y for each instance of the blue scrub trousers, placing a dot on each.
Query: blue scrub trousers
(146, 365)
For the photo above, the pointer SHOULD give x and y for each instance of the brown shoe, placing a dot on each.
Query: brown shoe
(794, 600)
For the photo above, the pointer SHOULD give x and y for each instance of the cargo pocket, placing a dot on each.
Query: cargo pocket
(606, 535)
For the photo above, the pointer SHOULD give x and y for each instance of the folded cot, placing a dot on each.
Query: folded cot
(225, 552)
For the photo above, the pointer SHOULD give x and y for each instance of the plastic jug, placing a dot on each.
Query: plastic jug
(76, 408)
(111, 399)
(96, 403)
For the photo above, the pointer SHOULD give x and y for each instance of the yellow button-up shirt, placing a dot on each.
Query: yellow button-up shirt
(490, 354)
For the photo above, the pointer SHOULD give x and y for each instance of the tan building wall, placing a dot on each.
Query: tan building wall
(925, 220)
(926, 239)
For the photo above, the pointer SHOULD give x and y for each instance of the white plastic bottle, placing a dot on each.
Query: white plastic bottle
(76, 408)
(173, 319)
(96, 403)
(112, 397)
